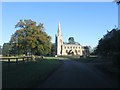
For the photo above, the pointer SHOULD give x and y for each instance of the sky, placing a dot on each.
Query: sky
(87, 22)
(59, 0)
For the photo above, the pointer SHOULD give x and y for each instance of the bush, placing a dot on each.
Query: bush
(116, 59)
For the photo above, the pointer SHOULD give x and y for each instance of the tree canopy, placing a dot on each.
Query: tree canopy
(71, 40)
(109, 45)
(30, 37)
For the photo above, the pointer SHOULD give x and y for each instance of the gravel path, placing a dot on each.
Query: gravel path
(74, 74)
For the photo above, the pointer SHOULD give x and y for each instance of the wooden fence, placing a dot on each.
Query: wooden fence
(17, 59)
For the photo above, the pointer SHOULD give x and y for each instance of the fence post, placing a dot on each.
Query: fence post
(27, 59)
(23, 59)
(16, 60)
(8, 61)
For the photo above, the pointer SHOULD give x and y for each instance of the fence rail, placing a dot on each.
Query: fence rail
(15, 58)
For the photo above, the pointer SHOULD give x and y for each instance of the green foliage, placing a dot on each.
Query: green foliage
(109, 45)
(6, 49)
(53, 49)
(71, 40)
(0, 50)
(30, 38)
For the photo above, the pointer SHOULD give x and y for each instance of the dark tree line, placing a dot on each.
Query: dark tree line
(109, 45)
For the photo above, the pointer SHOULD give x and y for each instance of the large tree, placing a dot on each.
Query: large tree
(30, 37)
(109, 45)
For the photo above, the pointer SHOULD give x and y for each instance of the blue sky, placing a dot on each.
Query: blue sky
(87, 22)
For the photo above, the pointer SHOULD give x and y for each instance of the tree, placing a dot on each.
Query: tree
(94, 51)
(30, 38)
(86, 50)
(71, 40)
(0, 49)
(109, 45)
(6, 49)
(117, 1)
(53, 49)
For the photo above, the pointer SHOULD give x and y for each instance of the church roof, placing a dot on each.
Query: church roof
(71, 43)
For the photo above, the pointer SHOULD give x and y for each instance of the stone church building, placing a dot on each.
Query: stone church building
(67, 48)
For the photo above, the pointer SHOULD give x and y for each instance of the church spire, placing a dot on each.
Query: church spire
(59, 32)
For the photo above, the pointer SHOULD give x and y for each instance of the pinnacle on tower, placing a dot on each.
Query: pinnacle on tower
(59, 32)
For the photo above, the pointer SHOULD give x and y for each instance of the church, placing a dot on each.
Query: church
(67, 48)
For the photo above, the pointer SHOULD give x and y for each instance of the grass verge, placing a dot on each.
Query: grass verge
(104, 64)
(94, 60)
(27, 74)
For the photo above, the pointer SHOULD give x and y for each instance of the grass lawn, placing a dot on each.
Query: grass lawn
(28, 74)
(70, 57)
(51, 58)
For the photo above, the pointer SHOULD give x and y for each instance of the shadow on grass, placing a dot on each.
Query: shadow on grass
(92, 60)
(29, 74)
(103, 64)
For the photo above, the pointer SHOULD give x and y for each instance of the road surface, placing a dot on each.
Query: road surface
(74, 74)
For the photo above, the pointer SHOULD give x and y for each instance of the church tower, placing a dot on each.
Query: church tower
(58, 41)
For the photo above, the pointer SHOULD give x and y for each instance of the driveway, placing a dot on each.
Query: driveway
(74, 74)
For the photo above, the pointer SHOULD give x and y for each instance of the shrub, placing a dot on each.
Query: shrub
(116, 59)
